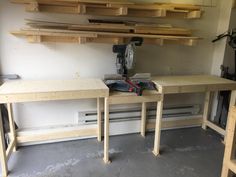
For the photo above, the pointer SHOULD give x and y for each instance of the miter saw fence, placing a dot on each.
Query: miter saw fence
(126, 61)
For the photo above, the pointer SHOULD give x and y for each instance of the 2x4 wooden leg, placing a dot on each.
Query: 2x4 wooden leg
(231, 104)
(106, 131)
(156, 150)
(143, 119)
(99, 120)
(206, 110)
(12, 124)
(3, 156)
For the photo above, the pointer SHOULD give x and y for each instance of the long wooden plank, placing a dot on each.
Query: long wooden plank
(57, 135)
(125, 27)
(49, 32)
(177, 123)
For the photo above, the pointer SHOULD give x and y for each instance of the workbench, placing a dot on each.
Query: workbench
(117, 98)
(169, 85)
(229, 164)
(194, 84)
(34, 91)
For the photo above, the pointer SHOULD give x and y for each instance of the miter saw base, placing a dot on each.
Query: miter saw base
(137, 84)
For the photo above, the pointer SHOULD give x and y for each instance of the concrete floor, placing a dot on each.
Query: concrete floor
(185, 153)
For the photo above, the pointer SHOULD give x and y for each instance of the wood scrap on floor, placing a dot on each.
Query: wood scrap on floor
(113, 8)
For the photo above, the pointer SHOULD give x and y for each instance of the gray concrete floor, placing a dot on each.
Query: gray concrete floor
(185, 153)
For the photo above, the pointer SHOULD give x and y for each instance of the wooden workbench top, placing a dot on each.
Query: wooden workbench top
(24, 91)
(194, 83)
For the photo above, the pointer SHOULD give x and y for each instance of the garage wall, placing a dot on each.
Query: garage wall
(68, 61)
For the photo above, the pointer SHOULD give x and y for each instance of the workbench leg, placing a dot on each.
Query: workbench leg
(156, 150)
(231, 104)
(12, 124)
(99, 120)
(206, 110)
(143, 119)
(3, 157)
(229, 146)
(226, 172)
(106, 131)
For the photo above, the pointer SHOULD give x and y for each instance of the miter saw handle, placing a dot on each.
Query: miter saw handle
(138, 41)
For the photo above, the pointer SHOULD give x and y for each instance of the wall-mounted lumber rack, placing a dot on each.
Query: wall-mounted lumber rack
(104, 32)
(112, 8)
(81, 37)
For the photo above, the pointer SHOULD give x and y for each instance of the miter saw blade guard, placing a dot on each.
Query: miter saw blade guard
(125, 55)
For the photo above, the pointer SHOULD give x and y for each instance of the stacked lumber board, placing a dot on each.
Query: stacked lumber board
(105, 32)
(113, 26)
(112, 8)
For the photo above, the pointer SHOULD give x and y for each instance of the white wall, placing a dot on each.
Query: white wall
(66, 61)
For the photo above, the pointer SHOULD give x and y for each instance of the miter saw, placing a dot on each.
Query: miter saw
(126, 61)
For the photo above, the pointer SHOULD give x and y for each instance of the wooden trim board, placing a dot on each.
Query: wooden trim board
(130, 98)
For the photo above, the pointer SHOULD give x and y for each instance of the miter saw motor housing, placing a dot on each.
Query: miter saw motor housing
(125, 55)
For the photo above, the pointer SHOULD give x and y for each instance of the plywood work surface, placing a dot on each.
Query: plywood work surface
(191, 84)
(23, 91)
